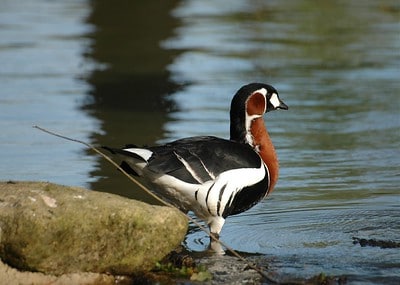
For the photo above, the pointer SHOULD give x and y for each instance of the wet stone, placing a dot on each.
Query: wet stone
(376, 243)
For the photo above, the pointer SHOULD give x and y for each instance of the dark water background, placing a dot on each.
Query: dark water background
(146, 73)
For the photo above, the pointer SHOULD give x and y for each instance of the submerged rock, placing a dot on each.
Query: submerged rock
(57, 229)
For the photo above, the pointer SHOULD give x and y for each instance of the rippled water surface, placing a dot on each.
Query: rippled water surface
(113, 75)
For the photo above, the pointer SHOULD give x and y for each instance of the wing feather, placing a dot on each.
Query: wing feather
(200, 159)
(223, 177)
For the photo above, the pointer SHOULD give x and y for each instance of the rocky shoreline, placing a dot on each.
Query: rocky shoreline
(53, 234)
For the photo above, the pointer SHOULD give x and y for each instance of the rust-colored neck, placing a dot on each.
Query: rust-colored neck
(263, 145)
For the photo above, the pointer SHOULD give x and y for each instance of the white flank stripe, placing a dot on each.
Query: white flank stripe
(233, 181)
(142, 152)
(209, 172)
(189, 168)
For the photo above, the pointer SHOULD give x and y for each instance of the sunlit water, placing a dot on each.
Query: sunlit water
(335, 64)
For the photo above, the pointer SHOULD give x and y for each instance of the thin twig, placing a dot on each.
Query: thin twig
(248, 263)
(109, 160)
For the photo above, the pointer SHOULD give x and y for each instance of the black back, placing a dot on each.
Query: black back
(204, 154)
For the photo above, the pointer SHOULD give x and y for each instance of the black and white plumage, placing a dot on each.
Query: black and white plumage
(215, 177)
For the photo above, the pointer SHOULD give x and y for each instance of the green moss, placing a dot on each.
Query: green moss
(85, 231)
(323, 279)
(194, 273)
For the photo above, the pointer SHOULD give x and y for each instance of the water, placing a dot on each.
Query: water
(40, 53)
(112, 75)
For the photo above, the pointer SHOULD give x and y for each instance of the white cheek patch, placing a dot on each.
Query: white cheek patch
(274, 100)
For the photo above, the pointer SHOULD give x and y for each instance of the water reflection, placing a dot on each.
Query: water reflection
(131, 91)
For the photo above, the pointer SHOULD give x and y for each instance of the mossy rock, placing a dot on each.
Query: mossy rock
(57, 229)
